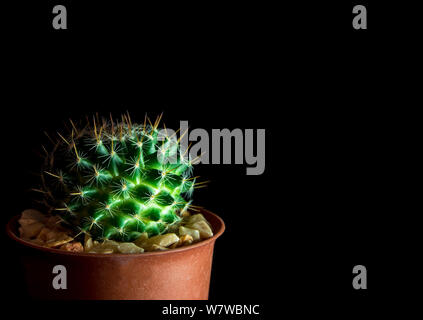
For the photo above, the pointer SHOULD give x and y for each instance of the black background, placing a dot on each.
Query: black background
(337, 105)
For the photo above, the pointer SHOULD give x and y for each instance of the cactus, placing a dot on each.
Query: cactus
(114, 179)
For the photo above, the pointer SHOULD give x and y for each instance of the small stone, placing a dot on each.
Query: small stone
(186, 240)
(185, 214)
(163, 240)
(31, 230)
(43, 235)
(183, 241)
(194, 233)
(57, 235)
(27, 222)
(53, 222)
(106, 251)
(104, 247)
(156, 247)
(33, 214)
(100, 250)
(203, 228)
(142, 238)
(56, 243)
(88, 242)
(175, 245)
(73, 247)
(196, 218)
(48, 235)
(110, 244)
(129, 247)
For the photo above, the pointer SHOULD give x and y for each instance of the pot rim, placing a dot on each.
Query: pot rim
(220, 230)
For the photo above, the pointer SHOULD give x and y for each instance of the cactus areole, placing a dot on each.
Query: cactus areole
(115, 180)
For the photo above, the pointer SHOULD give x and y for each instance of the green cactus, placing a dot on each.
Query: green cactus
(115, 180)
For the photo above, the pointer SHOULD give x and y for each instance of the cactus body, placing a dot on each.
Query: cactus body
(117, 180)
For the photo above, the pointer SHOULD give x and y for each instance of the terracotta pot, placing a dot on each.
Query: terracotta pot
(176, 274)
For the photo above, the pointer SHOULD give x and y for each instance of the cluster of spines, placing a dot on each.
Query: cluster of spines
(115, 180)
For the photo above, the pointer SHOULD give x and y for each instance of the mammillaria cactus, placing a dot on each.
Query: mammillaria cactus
(115, 180)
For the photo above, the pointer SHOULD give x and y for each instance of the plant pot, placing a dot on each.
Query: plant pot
(176, 274)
